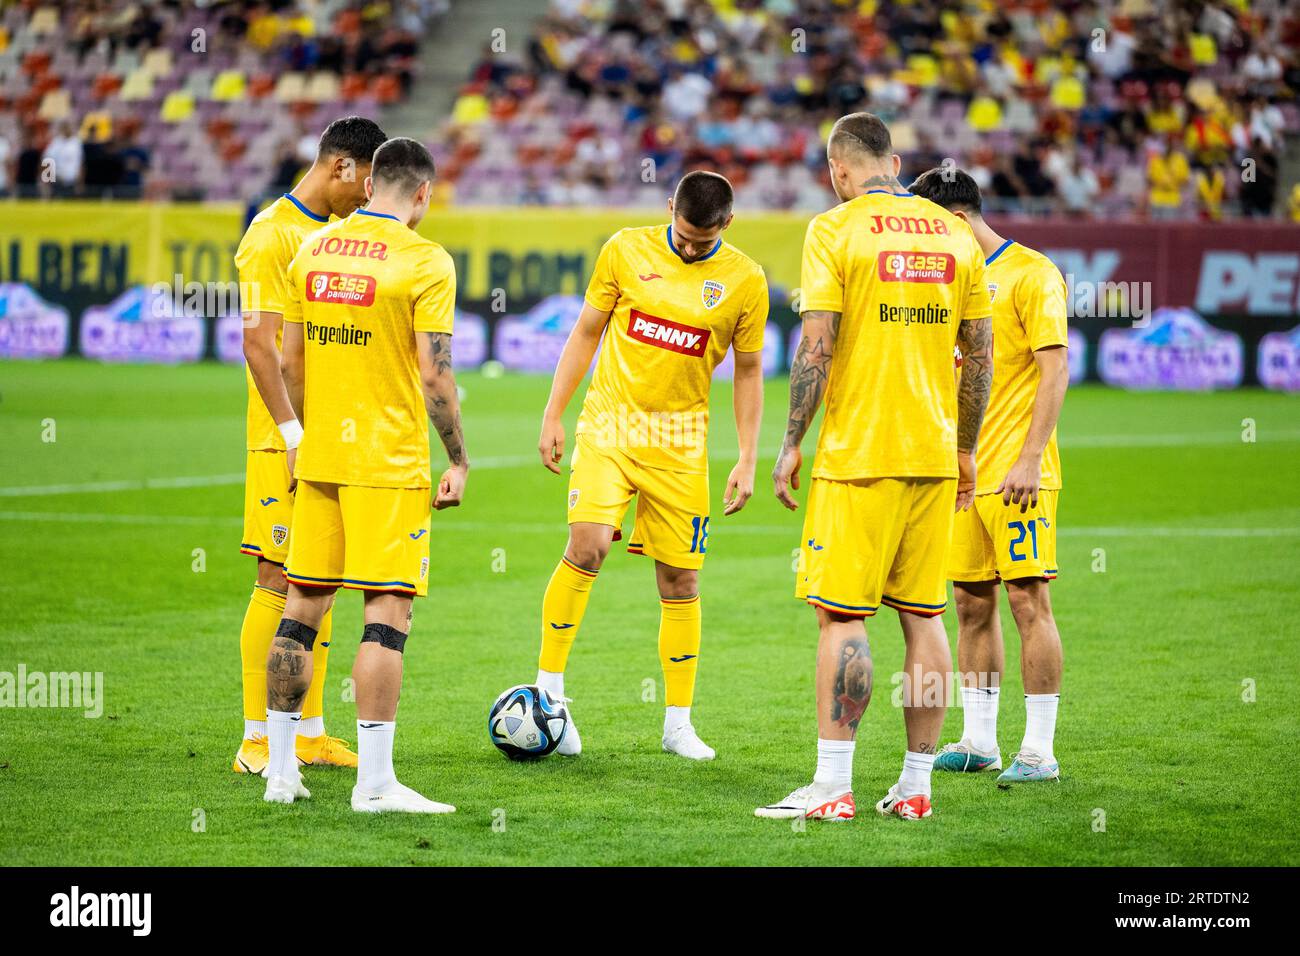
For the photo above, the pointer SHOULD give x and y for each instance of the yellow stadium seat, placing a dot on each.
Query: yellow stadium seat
(229, 86)
(984, 114)
(290, 88)
(55, 105)
(158, 62)
(177, 107)
(138, 85)
(1068, 93)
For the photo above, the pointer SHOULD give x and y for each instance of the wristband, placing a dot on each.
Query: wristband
(291, 431)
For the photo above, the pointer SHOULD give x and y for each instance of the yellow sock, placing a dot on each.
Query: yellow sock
(562, 609)
(261, 620)
(679, 648)
(313, 705)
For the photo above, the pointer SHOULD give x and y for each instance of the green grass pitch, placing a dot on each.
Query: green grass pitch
(1181, 675)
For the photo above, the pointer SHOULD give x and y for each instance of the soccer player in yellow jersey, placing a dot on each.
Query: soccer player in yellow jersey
(1010, 534)
(664, 304)
(890, 283)
(334, 185)
(367, 367)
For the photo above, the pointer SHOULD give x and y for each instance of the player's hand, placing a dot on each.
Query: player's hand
(965, 480)
(551, 444)
(291, 459)
(451, 487)
(786, 476)
(1021, 484)
(740, 488)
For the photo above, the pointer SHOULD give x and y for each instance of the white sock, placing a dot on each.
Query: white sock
(254, 728)
(674, 717)
(551, 682)
(1040, 723)
(311, 727)
(281, 737)
(835, 763)
(980, 717)
(915, 777)
(375, 755)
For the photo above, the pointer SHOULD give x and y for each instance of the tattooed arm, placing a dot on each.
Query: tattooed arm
(443, 405)
(975, 339)
(808, 377)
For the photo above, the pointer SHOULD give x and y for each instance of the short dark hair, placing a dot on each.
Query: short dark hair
(703, 199)
(352, 137)
(950, 187)
(403, 164)
(862, 133)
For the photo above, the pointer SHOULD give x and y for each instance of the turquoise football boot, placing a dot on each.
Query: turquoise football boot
(1027, 767)
(964, 758)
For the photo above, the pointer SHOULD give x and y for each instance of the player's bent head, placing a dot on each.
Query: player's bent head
(402, 174)
(701, 209)
(859, 147)
(345, 149)
(951, 188)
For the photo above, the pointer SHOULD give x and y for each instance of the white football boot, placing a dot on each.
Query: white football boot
(570, 744)
(685, 742)
(285, 789)
(396, 798)
(815, 801)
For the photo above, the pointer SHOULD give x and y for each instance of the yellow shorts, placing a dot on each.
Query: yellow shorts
(268, 506)
(672, 508)
(370, 539)
(995, 541)
(877, 541)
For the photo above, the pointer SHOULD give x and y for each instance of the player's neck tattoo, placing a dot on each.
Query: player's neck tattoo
(890, 183)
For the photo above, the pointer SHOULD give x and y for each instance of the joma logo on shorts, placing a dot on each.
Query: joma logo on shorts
(683, 339)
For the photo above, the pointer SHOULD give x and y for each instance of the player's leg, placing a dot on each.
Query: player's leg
(1040, 668)
(1026, 551)
(848, 531)
(288, 676)
(680, 625)
(377, 674)
(916, 587)
(599, 493)
(980, 666)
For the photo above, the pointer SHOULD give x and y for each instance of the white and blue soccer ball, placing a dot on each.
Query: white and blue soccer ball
(527, 723)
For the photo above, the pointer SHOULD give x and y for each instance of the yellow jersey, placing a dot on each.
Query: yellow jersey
(262, 260)
(903, 273)
(1028, 296)
(363, 287)
(671, 323)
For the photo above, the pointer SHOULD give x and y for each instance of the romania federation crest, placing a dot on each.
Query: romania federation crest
(993, 291)
(711, 294)
(279, 535)
(573, 499)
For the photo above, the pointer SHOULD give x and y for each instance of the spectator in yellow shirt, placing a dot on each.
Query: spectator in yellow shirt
(1167, 174)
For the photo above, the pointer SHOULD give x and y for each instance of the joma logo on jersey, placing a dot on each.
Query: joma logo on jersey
(909, 225)
(683, 339)
(341, 288)
(360, 248)
(916, 267)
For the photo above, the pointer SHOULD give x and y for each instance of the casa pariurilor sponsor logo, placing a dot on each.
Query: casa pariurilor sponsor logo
(341, 288)
(666, 334)
(937, 267)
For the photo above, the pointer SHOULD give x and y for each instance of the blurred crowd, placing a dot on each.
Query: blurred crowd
(1092, 108)
(207, 99)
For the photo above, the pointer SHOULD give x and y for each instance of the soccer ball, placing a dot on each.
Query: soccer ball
(527, 723)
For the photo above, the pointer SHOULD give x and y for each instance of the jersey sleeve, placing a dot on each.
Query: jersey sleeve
(821, 276)
(602, 290)
(1040, 301)
(291, 311)
(753, 321)
(435, 299)
(979, 304)
(262, 261)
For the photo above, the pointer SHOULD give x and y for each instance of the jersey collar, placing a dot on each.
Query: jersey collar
(1001, 249)
(377, 215)
(887, 192)
(304, 210)
(673, 248)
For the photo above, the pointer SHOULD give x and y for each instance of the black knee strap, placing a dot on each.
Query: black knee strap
(297, 631)
(385, 636)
